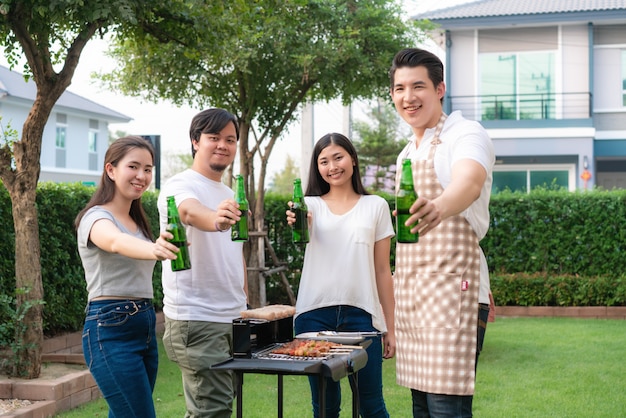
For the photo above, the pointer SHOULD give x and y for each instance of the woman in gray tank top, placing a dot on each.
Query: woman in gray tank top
(118, 255)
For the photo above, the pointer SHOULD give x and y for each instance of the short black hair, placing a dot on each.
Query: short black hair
(210, 121)
(416, 57)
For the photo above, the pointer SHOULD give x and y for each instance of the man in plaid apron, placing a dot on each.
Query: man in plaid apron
(441, 282)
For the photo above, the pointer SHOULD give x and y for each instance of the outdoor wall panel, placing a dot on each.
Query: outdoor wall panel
(609, 34)
(523, 39)
(610, 121)
(463, 68)
(607, 78)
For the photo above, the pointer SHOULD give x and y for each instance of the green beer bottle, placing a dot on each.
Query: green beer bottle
(239, 231)
(405, 197)
(176, 228)
(300, 231)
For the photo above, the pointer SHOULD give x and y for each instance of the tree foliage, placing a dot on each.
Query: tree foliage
(261, 60)
(173, 163)
(282, 182)
(378, 143)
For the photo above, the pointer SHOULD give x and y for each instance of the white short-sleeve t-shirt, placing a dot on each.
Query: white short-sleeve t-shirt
(462, 139)
(339, 259)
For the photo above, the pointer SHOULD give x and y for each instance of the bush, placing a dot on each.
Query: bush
(557, 233)
(546, 248)
(65, 293)
(542, 290)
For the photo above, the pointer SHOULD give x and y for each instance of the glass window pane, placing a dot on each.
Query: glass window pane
(518, 85)
(498, 86)
(624, 78)
(536, 85)
(549, 179)
(511, 180)
(93, 141)
(60, 137)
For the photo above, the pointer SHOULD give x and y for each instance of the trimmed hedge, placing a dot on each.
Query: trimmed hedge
(62, 273)
(558, 233)
(547, 248)
(540, 290)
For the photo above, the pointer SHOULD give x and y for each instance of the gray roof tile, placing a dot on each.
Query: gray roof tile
(13, 85)
(493, 8)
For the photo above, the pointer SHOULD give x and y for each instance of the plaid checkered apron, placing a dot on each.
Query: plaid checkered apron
(436, 284)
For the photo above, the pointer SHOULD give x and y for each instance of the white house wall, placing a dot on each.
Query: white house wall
(520, 39)
(573, 68)
(607, 94)
(13, 114)
(461, 74)
(77, 153)
(543, 142)
(76, 148)
(462, 71)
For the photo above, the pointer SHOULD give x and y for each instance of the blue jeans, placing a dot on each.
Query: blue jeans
(345, 318)
(432, 405)
(120, 349)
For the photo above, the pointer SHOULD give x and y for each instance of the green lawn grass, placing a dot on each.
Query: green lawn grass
(530, 367)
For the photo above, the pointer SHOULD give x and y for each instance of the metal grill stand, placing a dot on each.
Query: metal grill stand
(335, 367)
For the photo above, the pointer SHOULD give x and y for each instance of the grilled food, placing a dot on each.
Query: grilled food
(305, 348)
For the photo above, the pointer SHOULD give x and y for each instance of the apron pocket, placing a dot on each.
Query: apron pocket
(438, 300)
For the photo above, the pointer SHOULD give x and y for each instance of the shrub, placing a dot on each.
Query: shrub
(65, 294)
(546, 248)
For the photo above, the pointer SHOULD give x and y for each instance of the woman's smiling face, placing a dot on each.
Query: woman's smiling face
(335, 165)
(132, 174)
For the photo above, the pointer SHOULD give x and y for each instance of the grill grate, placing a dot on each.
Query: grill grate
(266, 353)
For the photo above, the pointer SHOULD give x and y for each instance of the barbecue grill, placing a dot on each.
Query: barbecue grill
(251, 357)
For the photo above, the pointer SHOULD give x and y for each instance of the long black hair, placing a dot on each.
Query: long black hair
(106, 189)
(316, 185)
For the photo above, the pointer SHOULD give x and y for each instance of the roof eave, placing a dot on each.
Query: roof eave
(604, 16)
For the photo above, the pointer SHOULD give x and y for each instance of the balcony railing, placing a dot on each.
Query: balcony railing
(536, 106)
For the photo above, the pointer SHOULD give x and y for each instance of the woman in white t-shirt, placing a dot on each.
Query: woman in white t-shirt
(118, 255)
(346, 281)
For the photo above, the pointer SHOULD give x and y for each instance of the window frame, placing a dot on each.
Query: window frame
(92, 146)
(623, 78)
(517, 84)
(528, 168)
(60, 127)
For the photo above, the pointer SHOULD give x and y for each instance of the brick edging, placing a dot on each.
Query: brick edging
(597, 312)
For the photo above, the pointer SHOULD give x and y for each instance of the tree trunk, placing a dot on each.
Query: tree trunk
(22, 187)
(251, 247)
(29, 338)
(21, 182)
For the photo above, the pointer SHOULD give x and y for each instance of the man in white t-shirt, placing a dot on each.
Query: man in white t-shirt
(200, 303)
(441, 283)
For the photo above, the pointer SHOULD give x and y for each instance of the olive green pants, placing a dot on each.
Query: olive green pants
(195, 346)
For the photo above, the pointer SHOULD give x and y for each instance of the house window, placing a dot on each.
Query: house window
(517, 85)
(60, 137)
(624, 78)
(60, 140)
(92, 142)
(520, 178)
(93, 153)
